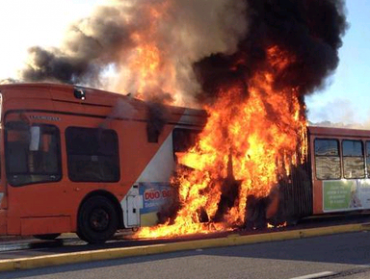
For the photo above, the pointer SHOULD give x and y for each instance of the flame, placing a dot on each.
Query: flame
(279, 226)
(248, 142)
(148, 70)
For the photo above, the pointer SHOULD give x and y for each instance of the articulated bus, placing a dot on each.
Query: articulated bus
(92, 162)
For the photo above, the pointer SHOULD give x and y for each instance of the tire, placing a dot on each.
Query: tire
(97, 220)
(82, 237)
(51, 236)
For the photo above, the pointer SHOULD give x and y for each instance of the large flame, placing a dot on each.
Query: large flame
(251, 138)
(149, 70)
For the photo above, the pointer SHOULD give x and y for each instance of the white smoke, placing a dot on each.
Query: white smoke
(338, 113)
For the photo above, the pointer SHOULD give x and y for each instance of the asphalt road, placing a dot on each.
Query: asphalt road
(15, 247)
(336, 256)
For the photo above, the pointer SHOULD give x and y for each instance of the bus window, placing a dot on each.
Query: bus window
(353, 159)
(92, 155)
(368, 158)
(327, 159)
(184, 139)
(27, 166)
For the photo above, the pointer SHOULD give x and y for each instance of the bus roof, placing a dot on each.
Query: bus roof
(66, 93)
(338, 132)
(95, 97)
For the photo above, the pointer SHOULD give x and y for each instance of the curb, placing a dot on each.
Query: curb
(116, 253)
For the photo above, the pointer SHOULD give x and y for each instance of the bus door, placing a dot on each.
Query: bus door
(132, 207)
(36, 198)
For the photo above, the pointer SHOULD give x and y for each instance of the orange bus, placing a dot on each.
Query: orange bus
(334, 178)
(86, 161)
(340, 169)
(91, 162)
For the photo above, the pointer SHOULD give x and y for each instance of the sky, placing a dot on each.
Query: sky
(346, 98)
(27, 23)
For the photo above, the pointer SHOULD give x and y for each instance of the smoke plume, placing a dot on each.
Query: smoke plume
(124, 33)
(197, 46)
(213, 35)
(309, 30)
(90, 45)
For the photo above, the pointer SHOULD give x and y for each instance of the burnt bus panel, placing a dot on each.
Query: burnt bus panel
(296, 194)
(296, 190)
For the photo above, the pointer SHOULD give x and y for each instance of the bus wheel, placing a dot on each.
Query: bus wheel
(50, 236)
(97, 220)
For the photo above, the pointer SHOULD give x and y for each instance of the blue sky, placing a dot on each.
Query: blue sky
(346, 98)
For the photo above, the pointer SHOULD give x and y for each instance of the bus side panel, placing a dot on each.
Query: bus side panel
(55, 199)
(154, 190)
(3, 222)
(317, 184)
(45, 225)
(155, 193)
(317, 197)
(345, 195)
(136, 152)
(150, 175)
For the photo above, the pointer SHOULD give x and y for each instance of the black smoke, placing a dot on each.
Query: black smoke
(221, 45)
(181, 31)
(310, 30)
(90, 45)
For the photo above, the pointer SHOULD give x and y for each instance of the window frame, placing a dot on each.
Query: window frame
(343, 157)
(59, 176)
(117, 155)
(336, 156)
(191, 130)
(367, 156)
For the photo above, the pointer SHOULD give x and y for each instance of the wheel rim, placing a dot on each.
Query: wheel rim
(99, 219)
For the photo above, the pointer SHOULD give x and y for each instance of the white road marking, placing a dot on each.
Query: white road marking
(316, 275)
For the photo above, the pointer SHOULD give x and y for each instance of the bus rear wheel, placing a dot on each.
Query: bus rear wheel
(50, 236)
(97, 220)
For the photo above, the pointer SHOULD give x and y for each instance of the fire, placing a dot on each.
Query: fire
(249, 141)
(280, 226)
(149, 72)
(255, 133)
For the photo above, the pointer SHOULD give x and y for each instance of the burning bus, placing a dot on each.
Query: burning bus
(92, 162)
(87, 161)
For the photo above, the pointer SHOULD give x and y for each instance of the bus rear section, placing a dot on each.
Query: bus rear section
(340, 169)
(333, 178)
(85, 161)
